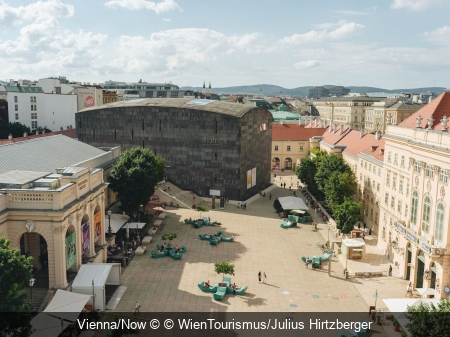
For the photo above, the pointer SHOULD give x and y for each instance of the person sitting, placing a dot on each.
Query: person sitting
(264, 194)
(163, 246)
(160, 252)
(232, 236)
(206, 235)
(206, 284)
(190, 219)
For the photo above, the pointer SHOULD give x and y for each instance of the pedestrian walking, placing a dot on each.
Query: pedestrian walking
(284, 185)
(365, 226)
(270, 196)
(136, 307)
(259, 277)
(409, 290)
(281, 185)
(370, 231)
(264, 278)
(390, 270)
(359, 225)
(245, 205)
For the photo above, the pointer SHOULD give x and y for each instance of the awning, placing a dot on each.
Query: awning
(356, 242)
(117, 222)
(299, 211)
(425, 291)
(67, 305)
(139, 225)
(290, 203)
(48, 326)
(97, 272)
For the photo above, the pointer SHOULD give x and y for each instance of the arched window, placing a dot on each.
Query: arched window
(426, 214)
(439, 230)
(414, 203)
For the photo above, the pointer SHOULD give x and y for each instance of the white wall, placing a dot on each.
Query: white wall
(49, 85)
(59, 111)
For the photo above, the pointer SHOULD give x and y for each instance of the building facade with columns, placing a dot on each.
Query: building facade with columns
(415, 220)
(58, 219)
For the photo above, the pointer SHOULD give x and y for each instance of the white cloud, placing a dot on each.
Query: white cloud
(167, 19)
(36, 10)
(176, 50)
(306, 64)
(344, 30)
(351, 13)
(157, 7)
(439, 36)
(419, 5)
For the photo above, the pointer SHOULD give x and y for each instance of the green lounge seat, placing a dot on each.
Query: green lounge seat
(296, 218)
(220, 293)
(183, 249)
(211, 224)
(286, 224)
(226, 279)
(189, 222)
(212, 289)
(291, 217)
(225, 239)
(220, 232)
(304, 259)
(159, 247)
(239, 291)
(156, 255)
(175, 256)
(214, 241)
(197, 224)
(326, 257)
(203, 237)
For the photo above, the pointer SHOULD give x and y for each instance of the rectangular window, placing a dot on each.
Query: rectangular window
(379, 172)
(407, 189)
(17, 117)
(388, 178)
(394, 182)
(417, 166)
(161, 94)
(174, 94)
(115, 133)
(402, 161)
(400, 186)
(389, 156)
(288, 148)
(132, 134)
(360, 177)
(378, 187)
(365, 165)
(374, 169)
(429, 171)
(143, 125)
(370, 167)
(262, 127)
(33, 99)
(399, 206)
(392, 202)
(276, 147)
(301, 148)
(33, 107)
(395, 158)
(406, 211)
(33, 115)
(386, 198)
(443, 176)
(16, 99)
(362, 163)
(34, 125)
(160, 125)
(143, 144)
(215, 155)
(16, 107)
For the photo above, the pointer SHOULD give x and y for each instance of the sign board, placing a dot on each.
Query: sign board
(253, 176)
(71, 250)
(89, 101)
(98, 225)
(85, 242)
(447, 290)
(249, 179)
(215, 193)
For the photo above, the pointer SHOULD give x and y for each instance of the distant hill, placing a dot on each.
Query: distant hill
(2, 83)
(275, 90)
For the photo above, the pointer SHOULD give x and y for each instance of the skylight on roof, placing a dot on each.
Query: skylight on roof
(135, 101)
(200, 102)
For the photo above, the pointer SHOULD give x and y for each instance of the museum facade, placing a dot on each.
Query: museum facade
(211, 147)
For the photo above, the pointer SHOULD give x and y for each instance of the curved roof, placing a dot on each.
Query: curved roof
(221, 107)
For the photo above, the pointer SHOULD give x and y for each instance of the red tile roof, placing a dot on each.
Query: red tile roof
(375, 150)
(72, 133)
(294, 132)
(333, 137)
(438, 108)
(355, 143)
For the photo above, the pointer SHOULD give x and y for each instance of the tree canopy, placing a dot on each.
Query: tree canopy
(329, 165)
(224, 268)
(306, 172)
(134, 177)
(338, 186)
(16, 129)
(346, 214)
(428, 320)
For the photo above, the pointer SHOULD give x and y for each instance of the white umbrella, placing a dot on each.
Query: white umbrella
(128, 231)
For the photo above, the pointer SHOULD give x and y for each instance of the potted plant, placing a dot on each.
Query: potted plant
(396, 324)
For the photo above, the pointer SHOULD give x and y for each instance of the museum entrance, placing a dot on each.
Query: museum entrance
(420, 269)
(276, 163)
(288, 164)
(71, 254)
(433, 276)
(408, 262)
(34, 245)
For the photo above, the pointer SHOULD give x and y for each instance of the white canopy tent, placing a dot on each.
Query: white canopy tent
(67, 305)
(117, 222)
(92, 279)
(292, 203)
(48, 326)
(424, 292)
(139, 225)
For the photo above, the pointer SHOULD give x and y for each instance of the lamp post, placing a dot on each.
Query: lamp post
(109, 224)
(31, 283)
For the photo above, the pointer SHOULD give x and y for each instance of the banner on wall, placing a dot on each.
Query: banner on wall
(71, 250)
(253, 176)
(85, 241)
(98, 225)
(249, 179)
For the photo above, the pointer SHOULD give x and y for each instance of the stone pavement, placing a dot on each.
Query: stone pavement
(166, 285)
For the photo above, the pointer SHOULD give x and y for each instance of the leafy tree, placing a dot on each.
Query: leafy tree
(40, 129)
(202, 209)
(306, 172)
(15, 273)
(339, 186)
(135, 176)
(428, 320)
(346, 215)
(330, 163)
(16, 129)
(224, 268)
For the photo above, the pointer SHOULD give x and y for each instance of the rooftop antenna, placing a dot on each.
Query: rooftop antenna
(260, 93)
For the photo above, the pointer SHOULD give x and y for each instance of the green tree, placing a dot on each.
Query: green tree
(16, 129)
(339, 186)
(224, 268)
(40, 129)
(330, 163)
(306, 172)
(346, 215)
(134, 178)
(202, 209)
(428, 320)
(15, 273)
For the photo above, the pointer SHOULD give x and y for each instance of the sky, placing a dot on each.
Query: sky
(386, 43)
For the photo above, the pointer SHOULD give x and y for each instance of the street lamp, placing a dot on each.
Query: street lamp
(109, 225)
(31, 283)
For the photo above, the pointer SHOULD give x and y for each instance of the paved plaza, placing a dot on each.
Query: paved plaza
(167, 285)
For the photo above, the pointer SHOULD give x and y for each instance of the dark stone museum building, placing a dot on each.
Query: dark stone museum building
(208, 145)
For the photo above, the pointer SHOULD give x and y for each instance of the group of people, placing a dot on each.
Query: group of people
(206, 284)
(365, 228)
(242, 205)
(264, 277)
(312, 264)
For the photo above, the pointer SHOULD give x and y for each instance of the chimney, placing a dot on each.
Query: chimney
(25, 134)
(377, 136)
(43, 130)
(342, 129)
(10, 136)
(281, 121)
(299, 121)
(37, 132)
(362, 133)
